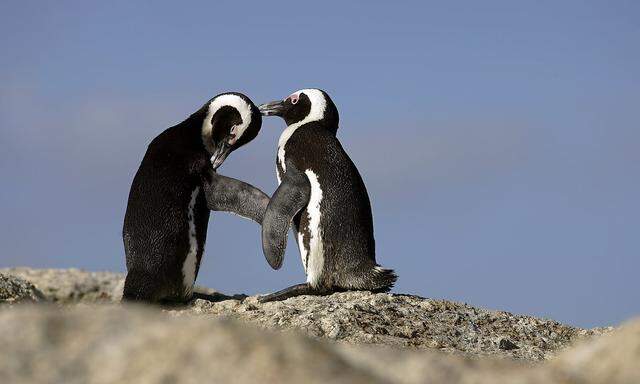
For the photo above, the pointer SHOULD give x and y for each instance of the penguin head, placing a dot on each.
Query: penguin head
(231, 121)
(304, 106)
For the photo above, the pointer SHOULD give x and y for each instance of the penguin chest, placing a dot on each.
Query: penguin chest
(310, 240)
(280, 164)
(282, 154)
(190, 266)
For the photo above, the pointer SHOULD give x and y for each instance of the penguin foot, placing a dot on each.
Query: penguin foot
(293, 291)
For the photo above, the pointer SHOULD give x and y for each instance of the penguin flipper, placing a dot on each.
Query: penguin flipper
(291, 196)
(231, 195)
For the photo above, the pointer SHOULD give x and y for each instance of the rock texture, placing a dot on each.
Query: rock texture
(107, 344)
(16, 290)
(349, 317)
(611, 359)
(72, 285)
(404, 321)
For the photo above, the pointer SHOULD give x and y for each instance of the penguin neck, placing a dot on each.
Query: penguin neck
(190, 130)
(291, 128)
(183, 142)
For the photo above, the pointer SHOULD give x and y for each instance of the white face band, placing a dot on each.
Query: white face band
(318, 106)
(234, 101)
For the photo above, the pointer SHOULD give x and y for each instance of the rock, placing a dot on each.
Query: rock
(611, 359)
(98, 345)
(349, 317)
(75, 285)
(139, 345)
(72, 285)
(403, 321)
(16, 290)
(507, 345)
(90, 344)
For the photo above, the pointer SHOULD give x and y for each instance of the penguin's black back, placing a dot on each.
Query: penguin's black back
(346, 219)
(156, 226)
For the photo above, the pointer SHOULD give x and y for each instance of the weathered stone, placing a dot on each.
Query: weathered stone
(72, 285)
(611, 359)
(349, 317)
(507, 345)
(141, 345)
(16, 290)
(105, 344)
(403, 321)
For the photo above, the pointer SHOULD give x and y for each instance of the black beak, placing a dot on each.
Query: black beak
(273, 108)
(223, 149)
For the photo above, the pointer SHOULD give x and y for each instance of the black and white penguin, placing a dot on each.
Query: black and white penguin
(165, 225)
(323, 195)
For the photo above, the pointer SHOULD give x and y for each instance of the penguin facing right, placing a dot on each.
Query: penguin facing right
(322, 194)
(175, 187)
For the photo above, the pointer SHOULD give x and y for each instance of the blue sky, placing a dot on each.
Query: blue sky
(498, 141)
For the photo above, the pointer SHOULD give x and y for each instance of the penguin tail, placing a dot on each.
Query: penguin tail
(383, 279)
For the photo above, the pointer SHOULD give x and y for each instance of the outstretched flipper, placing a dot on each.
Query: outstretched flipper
(291, 196)
(230, 195)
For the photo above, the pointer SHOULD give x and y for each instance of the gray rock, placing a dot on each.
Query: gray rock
(76, 285)
(507, 345)
(349, 317)
(611, 359)
(72, 285)
(107, 344)
(16, 290)
(140, 345)
(404, 321)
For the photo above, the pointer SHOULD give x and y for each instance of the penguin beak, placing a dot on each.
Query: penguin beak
(273, 108)
(223, 149)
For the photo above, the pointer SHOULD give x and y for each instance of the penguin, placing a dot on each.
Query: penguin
(322, 194)
(175, 187)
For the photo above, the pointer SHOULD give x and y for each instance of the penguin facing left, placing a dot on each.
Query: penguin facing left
(322, 194)
(175, 187)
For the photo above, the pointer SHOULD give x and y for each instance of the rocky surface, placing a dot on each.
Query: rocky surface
(72, 285)
(13, 289)
(611, 359)
(113, 343)
(349, 317)
(404, 321)
(66, 326)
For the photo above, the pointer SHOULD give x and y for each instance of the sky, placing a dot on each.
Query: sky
(498, 140)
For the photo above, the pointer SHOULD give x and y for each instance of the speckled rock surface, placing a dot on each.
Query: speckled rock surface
(404, 321)
(72, 285)
(16, 290)
(350, 317)
(611, 359)
(117, 344)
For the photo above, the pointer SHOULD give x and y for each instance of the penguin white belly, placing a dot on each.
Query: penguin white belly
(313, 258)
(282, 142)
(303, 250)
(280, 162)
(190, 261)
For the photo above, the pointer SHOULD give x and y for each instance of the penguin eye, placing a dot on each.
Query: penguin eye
(294, 100)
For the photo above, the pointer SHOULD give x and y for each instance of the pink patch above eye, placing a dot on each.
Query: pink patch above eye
(294, 98)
